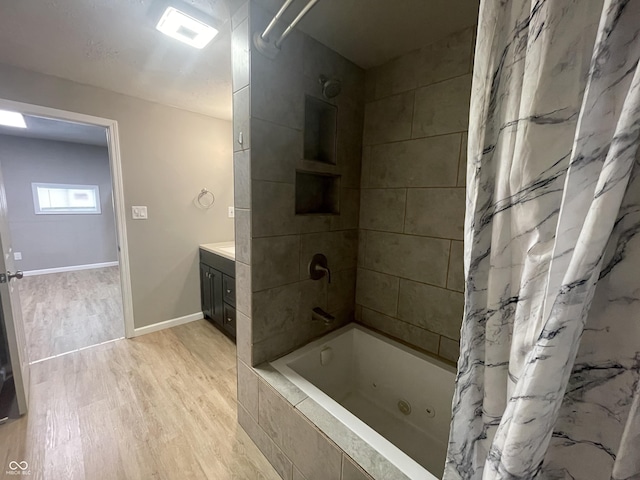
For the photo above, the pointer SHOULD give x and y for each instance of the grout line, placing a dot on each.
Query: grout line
(408, 323)
(459, 161)
(417, 138)
(410, 279)
(410, 234)
(448, 264)
(419, 87)
(76, 350)
(404, 213)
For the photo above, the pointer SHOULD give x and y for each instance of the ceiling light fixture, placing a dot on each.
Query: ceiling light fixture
(192, 31)
(12, 119)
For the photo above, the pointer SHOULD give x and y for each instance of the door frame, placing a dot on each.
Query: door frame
(115, 163)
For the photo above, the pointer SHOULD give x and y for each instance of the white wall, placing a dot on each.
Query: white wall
(168, 156)
(50, 241)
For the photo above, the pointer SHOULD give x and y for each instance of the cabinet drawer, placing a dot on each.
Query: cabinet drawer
(229, 290)
(230, 320)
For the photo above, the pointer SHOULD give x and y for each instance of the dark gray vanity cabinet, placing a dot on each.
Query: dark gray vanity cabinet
(218, 291)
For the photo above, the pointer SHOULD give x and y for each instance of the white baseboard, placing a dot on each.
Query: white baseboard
(72, 268)
(174, 322)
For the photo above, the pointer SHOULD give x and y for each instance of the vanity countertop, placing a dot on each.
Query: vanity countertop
(224, 249)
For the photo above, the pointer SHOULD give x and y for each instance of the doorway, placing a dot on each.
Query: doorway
(63, 236)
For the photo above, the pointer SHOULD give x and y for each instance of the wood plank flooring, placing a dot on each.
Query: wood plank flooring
(161, 406)
(66, 311)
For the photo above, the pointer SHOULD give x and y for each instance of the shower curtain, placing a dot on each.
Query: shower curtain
(548, 383)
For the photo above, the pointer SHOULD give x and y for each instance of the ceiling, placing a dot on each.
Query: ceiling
(60, 130)
(372, 32)
(113, 44)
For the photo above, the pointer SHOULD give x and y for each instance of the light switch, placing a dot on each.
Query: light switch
(232, 212)
(139, 213)
(17, 255)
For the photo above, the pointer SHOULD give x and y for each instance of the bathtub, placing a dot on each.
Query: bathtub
(393, 397)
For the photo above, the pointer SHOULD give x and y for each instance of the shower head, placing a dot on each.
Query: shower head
(331, 87)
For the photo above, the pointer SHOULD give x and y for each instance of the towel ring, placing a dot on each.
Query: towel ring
(203, 198)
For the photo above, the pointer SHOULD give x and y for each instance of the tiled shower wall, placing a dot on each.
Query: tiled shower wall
(410, 273)
(273, 244)
(274, 295)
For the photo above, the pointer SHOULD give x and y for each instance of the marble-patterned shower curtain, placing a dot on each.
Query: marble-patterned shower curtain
(549, 372)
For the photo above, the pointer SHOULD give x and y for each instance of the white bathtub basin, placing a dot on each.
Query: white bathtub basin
(365, 380)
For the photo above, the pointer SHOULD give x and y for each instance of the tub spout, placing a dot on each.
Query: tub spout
(318, 314)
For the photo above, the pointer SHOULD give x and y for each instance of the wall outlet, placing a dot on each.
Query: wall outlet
(232, 212)
(139, 213)
(17, 255)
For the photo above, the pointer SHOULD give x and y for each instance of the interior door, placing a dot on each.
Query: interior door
(11, 309)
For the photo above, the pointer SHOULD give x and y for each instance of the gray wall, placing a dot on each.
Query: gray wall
(49, 241)
(168, 156)
(274, 244)
(410, 272)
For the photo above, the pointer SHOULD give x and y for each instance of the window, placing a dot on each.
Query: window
(51, 198)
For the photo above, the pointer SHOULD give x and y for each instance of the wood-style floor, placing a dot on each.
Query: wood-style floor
(160, 406)
(66, 311)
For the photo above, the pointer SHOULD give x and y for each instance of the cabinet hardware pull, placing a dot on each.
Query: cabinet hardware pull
(228, 320)
(228, 291)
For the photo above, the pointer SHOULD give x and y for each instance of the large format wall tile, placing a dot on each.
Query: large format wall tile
(449, 349)
(417, 258)
(271, 451)
(377, 291)
(407, 332)
(248, 389)
(277, 94)
(241, 114)
(399, 75)
(455, 281)
(275, 261)
(242, 179)
(243, 288)
(382, 209)
(442, 107)
(311, 452)
(447, 58)
(389, 119)
(273, 209)
(425, 162)
(433, 308)
(436, 212)
(340, 248)
(279, 150)
(286, 308)
(350, 471)
(412, 198)
(243, 235)
(240, 55)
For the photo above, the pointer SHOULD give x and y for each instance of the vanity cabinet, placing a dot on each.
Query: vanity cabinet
(218, 291)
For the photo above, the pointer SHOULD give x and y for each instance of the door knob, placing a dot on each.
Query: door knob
(19, 274)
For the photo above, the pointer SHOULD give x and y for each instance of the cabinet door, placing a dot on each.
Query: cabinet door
(217, 297)
(230, 320)
(206, 291)
(229, 286)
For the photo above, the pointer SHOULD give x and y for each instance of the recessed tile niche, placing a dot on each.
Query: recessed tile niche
(317, 193)
(320, 127)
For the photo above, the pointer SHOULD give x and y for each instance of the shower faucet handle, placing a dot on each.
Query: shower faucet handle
(319, 267)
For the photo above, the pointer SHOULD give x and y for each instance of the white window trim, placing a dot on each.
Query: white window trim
(71, 211)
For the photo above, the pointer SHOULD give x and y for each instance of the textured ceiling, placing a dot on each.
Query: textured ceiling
(113, 44)
(372, 32)
(49, 129)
